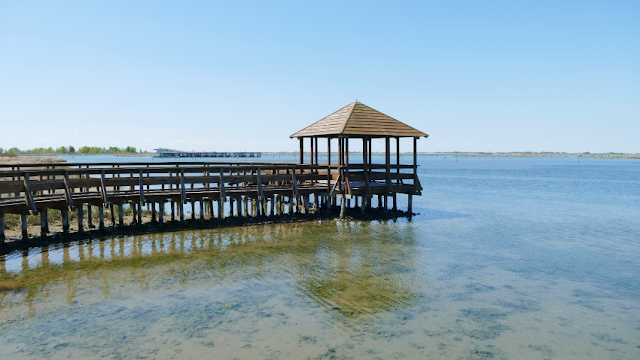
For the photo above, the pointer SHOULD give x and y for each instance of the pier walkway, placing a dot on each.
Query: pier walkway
(249, 189)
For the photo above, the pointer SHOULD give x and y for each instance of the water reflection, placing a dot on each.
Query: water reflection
(351, 270)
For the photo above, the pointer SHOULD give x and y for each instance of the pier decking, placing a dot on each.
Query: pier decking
(251, 189)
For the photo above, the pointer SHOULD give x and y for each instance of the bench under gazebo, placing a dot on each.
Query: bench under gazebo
(363, 177)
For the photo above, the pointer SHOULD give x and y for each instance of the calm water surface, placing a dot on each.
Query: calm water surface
(508, 259)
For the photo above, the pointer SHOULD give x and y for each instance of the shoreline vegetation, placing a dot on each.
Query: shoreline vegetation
(70, 150)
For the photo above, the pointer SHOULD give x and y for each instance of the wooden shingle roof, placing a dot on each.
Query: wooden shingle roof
(358, 120)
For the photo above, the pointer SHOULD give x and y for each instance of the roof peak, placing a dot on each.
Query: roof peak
(358, 120)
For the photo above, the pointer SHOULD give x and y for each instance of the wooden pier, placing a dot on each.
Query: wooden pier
(215, 190)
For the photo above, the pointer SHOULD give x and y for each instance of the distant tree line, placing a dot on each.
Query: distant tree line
(14, 151)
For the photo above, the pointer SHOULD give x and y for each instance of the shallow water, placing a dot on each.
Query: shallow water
(508, 259)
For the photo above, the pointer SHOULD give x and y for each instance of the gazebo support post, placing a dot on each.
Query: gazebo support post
(302, 150)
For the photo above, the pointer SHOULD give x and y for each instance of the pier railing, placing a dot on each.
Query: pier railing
(29, 189)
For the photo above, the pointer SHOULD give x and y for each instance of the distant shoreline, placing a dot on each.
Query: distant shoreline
(453, 154)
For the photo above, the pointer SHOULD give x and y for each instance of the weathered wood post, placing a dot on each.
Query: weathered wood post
(161, 211)
(415, 175)
(341, 175)
(272, 211)
(220, 208)
(173, 210)
(211, 217)
(2, 236)
(64, 214)
(291, 205)
(134, 212)
(181, 211)
(305, 199)
(89, 220)
(80, 218)
(201, 209)
(245, 211)
(113, 215)
(302, 150)
(153, 211)
(23, 220)
(44, 223)
(101, 216)
(311, 157)
(120, 215)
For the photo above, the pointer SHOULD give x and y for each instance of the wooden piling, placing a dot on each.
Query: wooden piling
(291, 205)
(201, 210)
(245, 212)
(410, 204)
(272, 212)
(23, 220)
(101, 217)
(44, 223)
(161, 211)
(64, 214)
(2, 236)
(113, 215)
(120, 215)
(80, 218)
(89, 220)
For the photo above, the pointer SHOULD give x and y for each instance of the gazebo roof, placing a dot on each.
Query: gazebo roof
(358, 120)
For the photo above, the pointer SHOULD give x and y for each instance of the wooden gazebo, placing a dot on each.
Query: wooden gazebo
(365, 179)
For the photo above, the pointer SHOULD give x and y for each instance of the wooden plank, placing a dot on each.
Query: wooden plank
(260, 192)
(223, 193)
(67, 189)
(28, 195)
(103, 188)
(140, 177)
(182, 192)
(294, 183)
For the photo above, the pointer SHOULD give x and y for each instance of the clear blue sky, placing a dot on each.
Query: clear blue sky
(242, 75)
